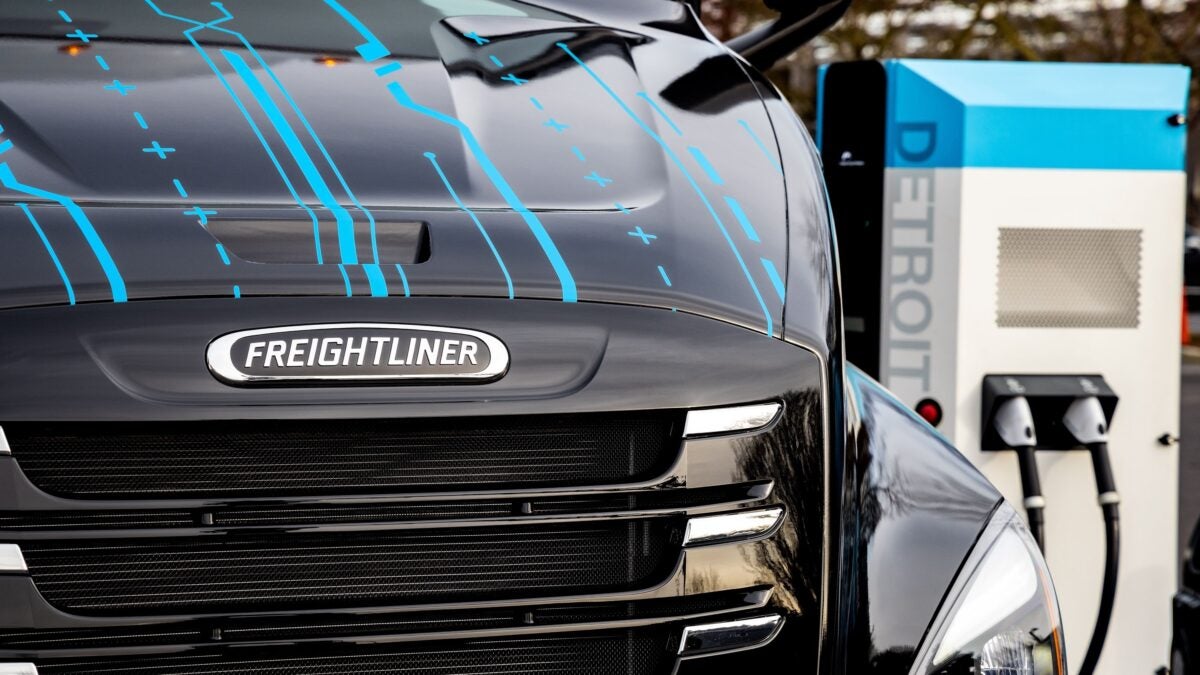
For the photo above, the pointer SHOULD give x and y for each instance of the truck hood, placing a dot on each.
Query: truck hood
(291, 148)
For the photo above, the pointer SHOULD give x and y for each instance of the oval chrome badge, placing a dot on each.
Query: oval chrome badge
(375, 353)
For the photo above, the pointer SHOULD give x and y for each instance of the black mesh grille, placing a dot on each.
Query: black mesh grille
(245, 515)
(260, 459)
(254, 571)
(324, 626)
(605, 653)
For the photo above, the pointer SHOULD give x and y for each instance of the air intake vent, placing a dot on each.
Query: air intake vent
(277, 458)
(1069, 278)
(629, 652)
(266, 571)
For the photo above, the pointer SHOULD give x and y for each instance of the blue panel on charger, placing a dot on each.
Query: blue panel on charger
(999, 114)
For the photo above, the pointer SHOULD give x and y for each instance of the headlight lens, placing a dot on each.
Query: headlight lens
(1001, 616)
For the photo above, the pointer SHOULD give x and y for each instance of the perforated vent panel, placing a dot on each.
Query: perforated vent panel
(1069, 278)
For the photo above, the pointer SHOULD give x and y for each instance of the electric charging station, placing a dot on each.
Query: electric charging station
(998, 221)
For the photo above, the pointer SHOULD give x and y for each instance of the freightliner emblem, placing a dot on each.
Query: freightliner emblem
(367, 353)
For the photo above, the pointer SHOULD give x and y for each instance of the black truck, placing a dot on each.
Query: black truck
(454, 336)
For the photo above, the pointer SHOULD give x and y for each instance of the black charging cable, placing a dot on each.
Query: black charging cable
(1085, 420)
(1014, 423)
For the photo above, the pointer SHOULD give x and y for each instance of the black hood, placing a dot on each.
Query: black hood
(489, 148)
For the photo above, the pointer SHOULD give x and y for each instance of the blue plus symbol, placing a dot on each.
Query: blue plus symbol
(515, 80)
(80, 35)
(201, 214)
(644, 236)
(122, 89)
(475, 36)
(556, 125)
(600, 180)
(156, 149)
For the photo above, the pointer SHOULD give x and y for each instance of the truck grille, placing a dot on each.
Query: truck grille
(264, 571)
(282, 458)
(627, 652)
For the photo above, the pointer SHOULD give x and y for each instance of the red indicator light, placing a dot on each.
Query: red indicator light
(930, 411)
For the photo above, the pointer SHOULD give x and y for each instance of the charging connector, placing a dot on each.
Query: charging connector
(1014, 424)
(1085, 420)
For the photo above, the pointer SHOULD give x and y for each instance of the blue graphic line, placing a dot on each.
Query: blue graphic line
(759, 143)
(569, 292)
(237, 291)
(201, 214)
(556, 125)
(709, 169)
(661, 113)
(478, 225)
(141, 121)
(50, 250)
(156, 148)
(5, 147)
(775, 278)
(496, 61)
(519, 81)
(666, 279)
(372, 49)
(578, 153)
(115, 282)
(479, 41)
(345, 224)
(346, 280)
(376, 281)
(179, 188)
(643, 235)
(120, 87)
(82, 36)
(65, 17)
(598, 179)
(101, 62)
(536, 103)
(738, 213)
(622, 209)
(388, 68)
(224, 256)
(687, 174)
(403, 279)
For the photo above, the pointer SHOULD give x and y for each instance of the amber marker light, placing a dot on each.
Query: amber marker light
(73, 50)
(331, 61)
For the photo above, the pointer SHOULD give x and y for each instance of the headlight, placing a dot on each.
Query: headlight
(1001, 616)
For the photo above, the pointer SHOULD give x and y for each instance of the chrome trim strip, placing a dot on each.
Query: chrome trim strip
(4, 450)
(18, 669)
(732, 526)
(737, 419)
(729, 635)
(220, 362)
(11, 560)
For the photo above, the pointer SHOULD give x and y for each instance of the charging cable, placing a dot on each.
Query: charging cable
(1014, 423)
(1085, 420)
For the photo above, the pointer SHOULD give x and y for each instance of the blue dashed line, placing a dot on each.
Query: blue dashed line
(179, 188)
(666, 279)
(403, 279)
(536, 103)
(62, 273)
(156, 148)
(201, 214)
(643, 235)
(515, 80)
(346, 280)
(578, 153)
(237, 291)
(598, 179)
(479, 41)
(742, 219)
(646, 97)
(101, 62)
(224, 256)
(388, 69)
(709, 169)
(496, 61)
(82, 36)
(120, 87)
(5, 147)
(773, 274)
(141, 121)
(65, 17)
(556, 125)
(622, 208)
(759, 143)
(767, 316)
